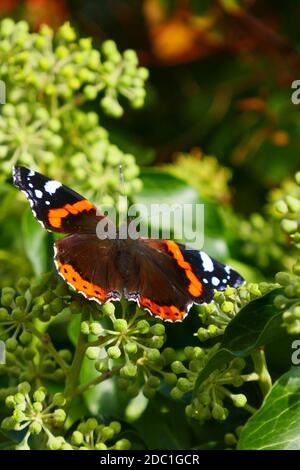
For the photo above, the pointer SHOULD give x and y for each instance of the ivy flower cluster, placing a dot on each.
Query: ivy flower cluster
(130, 346)
(61, 73)
(288, 209)
(206, 400)
(289, 300)
(41, 417)
(216, 315)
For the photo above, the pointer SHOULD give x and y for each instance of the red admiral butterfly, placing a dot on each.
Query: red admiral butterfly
(162, 276)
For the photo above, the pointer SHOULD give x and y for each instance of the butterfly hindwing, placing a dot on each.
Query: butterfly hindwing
(172, 277)
(57, 207)
(89, 266)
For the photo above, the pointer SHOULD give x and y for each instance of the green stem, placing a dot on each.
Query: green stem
(97, 380)
(250, 408)
(74, 371)
(261, 368)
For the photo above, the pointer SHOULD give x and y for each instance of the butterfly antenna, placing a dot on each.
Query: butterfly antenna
(122, 181)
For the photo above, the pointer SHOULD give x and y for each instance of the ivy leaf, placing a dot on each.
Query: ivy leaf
(257, 324)
(163, 425)
(276, 425)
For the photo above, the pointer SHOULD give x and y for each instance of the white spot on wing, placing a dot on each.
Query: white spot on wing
(51, 186)
(215, 281)
(227, 269)
(38, 193)
(206, 262)
(47, 203)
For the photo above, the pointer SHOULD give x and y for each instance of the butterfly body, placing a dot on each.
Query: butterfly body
(162, 276)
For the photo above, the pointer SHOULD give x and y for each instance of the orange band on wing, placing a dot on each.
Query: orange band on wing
(55, 216)
(169, 312)
(195, 287)
(73, 277)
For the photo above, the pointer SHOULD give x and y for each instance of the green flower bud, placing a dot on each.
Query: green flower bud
(178, 368)
(108, 309)
(102, 365)
(18, 416)
(158, 329)
(29, 353)
(65, 354)
(184, 385)
(109, 47)
(4, 315)
(67, 33)
(111, 106)
(149, 392)
(129, 370)
(77, 438)
(280, 301)
(153, 354)
(170, 378)
(131, 348)
(169, 355)
(54, 443)
(7, 26)
(205, 398)
(8, 423)
(39, 395)
(10, 401)
(85, 328)
(11, 344)
(122, 444)
(35, 428)
(153, 381)
(131, 56)
(290, 291)
(219, 413)
(114, 352)
(57, 305)
(25, 337)
(213, 330)
(116, 426)
(230, 439)
(37, 406)
(90, 92)
(59, 415)
(37, 310)
(297, 177)
(100, 446)
(96, 329)
(107, 433)
(66, 446)
(176, 394)
(20, 301)
(92, 352)
(6, 300)
(239, 400)
(227, 307)
(283, 278)
(91, 424)
(289, 226)
(17, 313)
(120, 325)
(59, 399)
(293, 204)
(143, 327)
